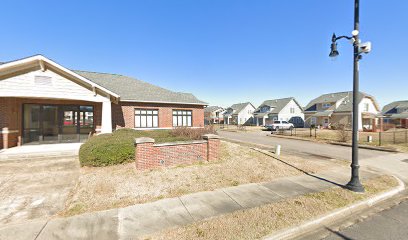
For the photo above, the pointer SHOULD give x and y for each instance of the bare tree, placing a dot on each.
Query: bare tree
(343, 133)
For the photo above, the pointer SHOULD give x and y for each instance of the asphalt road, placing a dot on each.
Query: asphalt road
(299, 146)
(388, 224)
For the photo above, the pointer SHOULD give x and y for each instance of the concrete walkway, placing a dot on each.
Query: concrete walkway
(136, 221)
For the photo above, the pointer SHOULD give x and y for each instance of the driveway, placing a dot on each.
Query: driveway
(35, 186)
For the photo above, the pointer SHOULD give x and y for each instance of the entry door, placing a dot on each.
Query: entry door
(49, 123)
(69, 124)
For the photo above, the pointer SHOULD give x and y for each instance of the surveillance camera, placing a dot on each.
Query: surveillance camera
(365, 47)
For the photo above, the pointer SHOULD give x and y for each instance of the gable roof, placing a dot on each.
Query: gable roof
(119, 87)
(212, 108)
(41, 62)
(238, 107)
(396, 104)
(346, 97)
(134, 90)
(278, 104)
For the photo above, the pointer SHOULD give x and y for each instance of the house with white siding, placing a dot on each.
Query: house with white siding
(214, 114)
(334, 109)
(240, 113)
(284, 109)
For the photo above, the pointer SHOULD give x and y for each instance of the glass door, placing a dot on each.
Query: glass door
(69, 124)
(31, 123)
(49, 124)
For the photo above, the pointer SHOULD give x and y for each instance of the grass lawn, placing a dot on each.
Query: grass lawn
(123, 185)
(258, 222)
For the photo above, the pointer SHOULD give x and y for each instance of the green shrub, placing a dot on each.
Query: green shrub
(118, 147)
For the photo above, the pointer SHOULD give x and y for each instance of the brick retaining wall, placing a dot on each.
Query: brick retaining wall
(149, 155)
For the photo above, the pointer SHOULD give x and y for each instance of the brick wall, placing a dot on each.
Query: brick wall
(123, 114)
(149, 155)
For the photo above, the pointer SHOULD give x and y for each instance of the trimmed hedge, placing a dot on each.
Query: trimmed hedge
(118, 147)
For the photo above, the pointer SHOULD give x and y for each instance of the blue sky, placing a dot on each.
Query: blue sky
(223, 51)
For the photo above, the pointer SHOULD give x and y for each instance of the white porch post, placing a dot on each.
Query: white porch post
(106, 117)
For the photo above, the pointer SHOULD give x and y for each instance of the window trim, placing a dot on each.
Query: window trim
(147, 115)
(177, 115)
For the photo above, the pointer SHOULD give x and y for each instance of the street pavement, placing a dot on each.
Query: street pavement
(300, 147)
(388, 224)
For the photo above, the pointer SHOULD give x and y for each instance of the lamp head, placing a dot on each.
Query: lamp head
(333, 53)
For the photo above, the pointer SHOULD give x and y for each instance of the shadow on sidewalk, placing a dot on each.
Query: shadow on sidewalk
(306, 173)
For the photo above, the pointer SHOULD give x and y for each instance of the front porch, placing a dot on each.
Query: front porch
(32, 121)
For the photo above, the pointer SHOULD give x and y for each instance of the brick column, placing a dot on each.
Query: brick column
(5, 133)
(213, 146)
(144, 153)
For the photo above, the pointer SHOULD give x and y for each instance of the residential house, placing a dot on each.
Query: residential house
(284, 109)
(396, 113)
(240, 113)
(42, 101)
(336, 108)
(214, 114)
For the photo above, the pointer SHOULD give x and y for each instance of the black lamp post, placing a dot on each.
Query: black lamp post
(354, 184)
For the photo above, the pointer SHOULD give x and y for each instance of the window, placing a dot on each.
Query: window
(366, 107)
(276, 122)
(313, 120)
(292, 110)
(326, 105)
(146, 118)
(182, 118)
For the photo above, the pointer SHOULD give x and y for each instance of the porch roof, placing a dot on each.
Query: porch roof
(323, 114)
(400, 115)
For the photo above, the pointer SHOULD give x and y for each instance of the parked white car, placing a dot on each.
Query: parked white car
(280, 125)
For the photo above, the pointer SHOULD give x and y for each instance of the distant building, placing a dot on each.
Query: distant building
(337, 108)
(214, 114)
(240, 113)
(396, 113)
(284, 109)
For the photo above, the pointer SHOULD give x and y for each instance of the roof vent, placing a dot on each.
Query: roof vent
(42, 80)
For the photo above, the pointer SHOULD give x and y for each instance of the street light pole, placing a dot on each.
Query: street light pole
(355, 184)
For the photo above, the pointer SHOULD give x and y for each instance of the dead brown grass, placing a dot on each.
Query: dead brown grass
(261, 221)
(123, 185)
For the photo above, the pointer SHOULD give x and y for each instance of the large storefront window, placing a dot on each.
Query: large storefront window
(146, 118)
(57, 123)
(182, 118)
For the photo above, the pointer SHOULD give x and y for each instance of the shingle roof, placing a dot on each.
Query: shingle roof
(212, 108)
(238, 107)
(277, 104)
(397, 104)
(131, 89)
(346, 97)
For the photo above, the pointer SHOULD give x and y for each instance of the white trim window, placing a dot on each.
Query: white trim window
(292, 110)
(326, 105)
(313, 120)
(182, 118)
(366, 107)
(146, 118)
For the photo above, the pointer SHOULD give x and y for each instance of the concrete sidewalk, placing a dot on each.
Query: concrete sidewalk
(136, 221)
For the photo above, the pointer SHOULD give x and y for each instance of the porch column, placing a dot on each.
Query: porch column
(106, 117)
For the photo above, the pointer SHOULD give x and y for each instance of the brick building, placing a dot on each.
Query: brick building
(44, 102)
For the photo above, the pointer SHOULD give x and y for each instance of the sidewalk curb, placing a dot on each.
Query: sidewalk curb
(335, 215)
